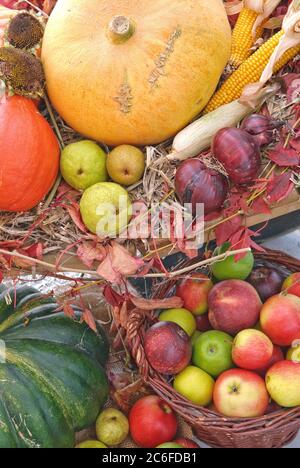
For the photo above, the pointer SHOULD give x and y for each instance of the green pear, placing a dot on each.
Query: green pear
(112, 427)
(83, 164)
(106, 209)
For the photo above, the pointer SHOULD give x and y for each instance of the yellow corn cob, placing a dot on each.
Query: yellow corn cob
(242, 37)
(250, 72)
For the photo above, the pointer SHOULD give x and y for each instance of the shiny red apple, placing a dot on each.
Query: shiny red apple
(234, 305)
(152, 422)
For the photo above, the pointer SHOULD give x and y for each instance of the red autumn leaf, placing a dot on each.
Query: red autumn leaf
(123, 261)
(69, 311)
(89, 319)
(74, 212)
(225, 230)
(243, 239)
(191, 253)
(107, 271)
(260, 206)
(279, 187)
(1, 276)
(112, 297)
(284, 157)
(153, 304)
(88, 252)
(35, 251)
(119, 263)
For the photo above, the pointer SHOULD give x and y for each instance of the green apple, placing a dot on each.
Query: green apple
(195, 385)
(112, 427)
(91, 444)
(170, 445)
(83, 164)
(184, 318)
(106, 209)
(230, 268)
(212, 352)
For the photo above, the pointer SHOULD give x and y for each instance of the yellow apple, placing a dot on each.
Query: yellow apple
(195, 385)
(283, 383)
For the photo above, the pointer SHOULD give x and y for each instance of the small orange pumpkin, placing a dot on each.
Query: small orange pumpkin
(29, 155)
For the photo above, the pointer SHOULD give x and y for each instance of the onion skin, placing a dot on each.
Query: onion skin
(239, 153)
(195, 183)
(261, 128)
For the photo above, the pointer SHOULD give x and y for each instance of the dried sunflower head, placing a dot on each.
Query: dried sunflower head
(24, 31)
(22, 72)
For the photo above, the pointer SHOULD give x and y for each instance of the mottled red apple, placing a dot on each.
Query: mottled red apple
(241, 394)
(277, 356)
(194, 293)
(252, 350)
(168, 348)
(280, 319)
(234, 305)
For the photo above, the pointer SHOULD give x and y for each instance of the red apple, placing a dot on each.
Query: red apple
(266, 281)
(187, 443)
(203, 323)
(152, 422)
(277, 356)
(292, 284)
(194, 293)
(252, 350)
(280, 319)
(233, 306)
(241, 394)
(168, 348)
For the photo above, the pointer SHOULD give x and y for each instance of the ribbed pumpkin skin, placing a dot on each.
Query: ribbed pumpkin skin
(53, 381)
(29, 155)
(145, 89)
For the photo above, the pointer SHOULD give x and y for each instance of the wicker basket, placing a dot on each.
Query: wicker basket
(271, 431)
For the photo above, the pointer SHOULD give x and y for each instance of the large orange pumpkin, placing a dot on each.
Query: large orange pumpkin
(29, 155)
(134, 71)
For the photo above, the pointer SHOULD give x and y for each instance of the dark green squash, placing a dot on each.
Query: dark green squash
(52, 372)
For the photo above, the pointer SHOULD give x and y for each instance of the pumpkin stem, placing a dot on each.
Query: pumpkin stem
(121, 29)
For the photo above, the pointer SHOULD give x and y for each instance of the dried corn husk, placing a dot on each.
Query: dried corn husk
(264, 8)
(290, 39)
